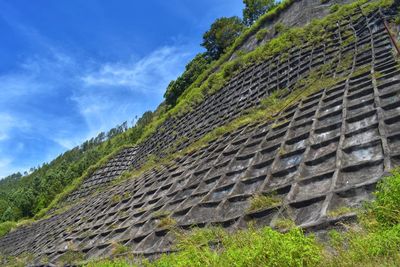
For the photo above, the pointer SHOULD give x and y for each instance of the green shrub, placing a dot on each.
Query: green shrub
(71, 257)
(192, 71)
(339, 212)
(284, 224)
(280, 27)
(116, 198)
(6, 227)
(387, 204)
(21, 260)
(264, 247)
(255, 8)
(334, 8)
(262, 201)
(166, 222)
(261, 35)
(360, 246)
(111, 263)
(118, 249)
(397, 20)
(221, 35)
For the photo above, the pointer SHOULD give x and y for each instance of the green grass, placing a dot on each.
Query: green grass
(76, 183)
(269, 109)
(166, 222)
(261, 34)
(6, 227)
(339, 212)
(261, 247)
(284, 224)
(263, 201)
(374, 241)
(334, 8)
(118, 249)
(360, 248)
(20, 261)
(71, 257)
(280, 28)
(125, 262)
(116, 199)
(386, 208)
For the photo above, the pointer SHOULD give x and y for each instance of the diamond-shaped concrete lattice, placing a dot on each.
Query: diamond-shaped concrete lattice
(322, 153)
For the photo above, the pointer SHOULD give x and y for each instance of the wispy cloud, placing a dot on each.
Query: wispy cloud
(145, 74)
(58, 96)
(5, 167)
(66, 103)
(113, 92)
(8, 124)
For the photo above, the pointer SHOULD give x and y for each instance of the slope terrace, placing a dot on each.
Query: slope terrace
(243, 91)
(336, 133)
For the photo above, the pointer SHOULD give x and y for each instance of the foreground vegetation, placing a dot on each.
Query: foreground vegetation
(374, 241)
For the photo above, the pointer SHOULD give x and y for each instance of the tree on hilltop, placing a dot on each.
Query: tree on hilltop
(221, 35)
(254, 9)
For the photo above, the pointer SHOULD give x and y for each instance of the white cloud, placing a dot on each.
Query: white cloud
(5, 167)
(114, 92)
(14, 86)
(3, 136)
(138, 86)
(8, 123)
(8, 167)
(97, 96)
(143, 75)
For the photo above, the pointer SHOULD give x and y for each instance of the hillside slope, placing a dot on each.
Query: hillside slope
(311, 128)
(177, 131)
(39, 191)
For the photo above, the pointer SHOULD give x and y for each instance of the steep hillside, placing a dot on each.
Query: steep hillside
(29, 195)
(175, 130)
(51, 182)
(297, 131)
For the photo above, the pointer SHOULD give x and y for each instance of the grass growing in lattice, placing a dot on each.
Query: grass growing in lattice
(374, 242)
(258, 202)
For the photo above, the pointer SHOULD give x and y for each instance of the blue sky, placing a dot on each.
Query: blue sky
(70, 69)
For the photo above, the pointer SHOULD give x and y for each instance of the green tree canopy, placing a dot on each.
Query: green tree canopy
(221, 35)
(255, 8)
(24, 196)
(11, 214)
(25, 201)
(192, 71)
